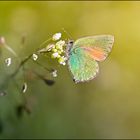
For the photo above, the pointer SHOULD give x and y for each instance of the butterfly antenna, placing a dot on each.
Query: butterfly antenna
(68, 34)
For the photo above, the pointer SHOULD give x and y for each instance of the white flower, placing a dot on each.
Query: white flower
(56, 36)
(54, 55)
(62, 60)
(8, 61)
(65, 58)
(35, 57)
(63, 63)
(60, 44)
(54, 73)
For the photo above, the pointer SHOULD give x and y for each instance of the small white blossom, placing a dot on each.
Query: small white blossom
(56, 36)
(65, 58)
(62, 60)
(55, 55)
(64, 63)
(35, 57)
(60, 43)
(8, 61)
(54, 73)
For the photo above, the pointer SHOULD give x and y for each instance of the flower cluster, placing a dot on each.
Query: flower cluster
(57, 49)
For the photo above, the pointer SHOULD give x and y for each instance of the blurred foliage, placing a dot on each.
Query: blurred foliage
(107, 107)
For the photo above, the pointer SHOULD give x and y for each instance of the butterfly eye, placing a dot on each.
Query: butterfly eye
(71, 42)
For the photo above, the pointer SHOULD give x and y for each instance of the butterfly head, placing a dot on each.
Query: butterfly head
(70, 43)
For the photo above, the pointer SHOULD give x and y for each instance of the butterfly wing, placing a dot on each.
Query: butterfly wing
(82, 66)
(85, 53)
(98, 47)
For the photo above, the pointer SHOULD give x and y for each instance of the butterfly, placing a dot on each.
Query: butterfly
(84, 54)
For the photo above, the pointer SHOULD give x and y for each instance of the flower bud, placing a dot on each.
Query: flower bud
(58, 56)
(60, 43)
(24, 87)
(62, 60)
(54, 55)
(8, 61)
(56, 36)
(59, 47)
(54, 50)
(54, 73)
(2, 40)
(35, 57)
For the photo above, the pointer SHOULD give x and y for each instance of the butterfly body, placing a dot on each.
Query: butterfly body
(83, 56)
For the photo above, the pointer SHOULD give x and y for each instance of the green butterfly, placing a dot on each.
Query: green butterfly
(84, 54)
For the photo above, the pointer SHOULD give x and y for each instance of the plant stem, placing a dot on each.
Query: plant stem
(20, 65)
(7, 79)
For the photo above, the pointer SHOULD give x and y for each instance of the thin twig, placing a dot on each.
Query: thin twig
(20, 65)
(49, 70)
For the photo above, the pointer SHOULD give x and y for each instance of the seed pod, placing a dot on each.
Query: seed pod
(35, 57)
(56, 36)
(24, 87)
(8, 61)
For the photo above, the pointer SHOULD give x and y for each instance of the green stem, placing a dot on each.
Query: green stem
(10, 50)
(7, 79)
(49, 70)
(20, 65)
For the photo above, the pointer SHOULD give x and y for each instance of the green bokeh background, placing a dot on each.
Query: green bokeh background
(108, 106)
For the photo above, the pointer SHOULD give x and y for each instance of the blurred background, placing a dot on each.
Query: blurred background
(106, 107)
